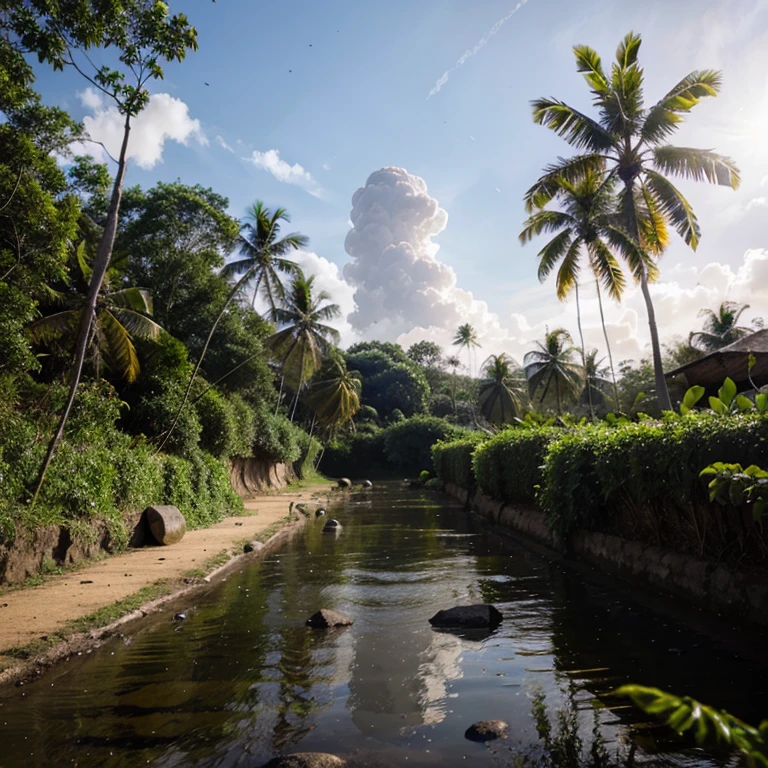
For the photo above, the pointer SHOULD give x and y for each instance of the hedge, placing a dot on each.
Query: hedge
(508, 467)
(453, 460)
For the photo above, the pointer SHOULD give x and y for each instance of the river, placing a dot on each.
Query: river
(242, 679)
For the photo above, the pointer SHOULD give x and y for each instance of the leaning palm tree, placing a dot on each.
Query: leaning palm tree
(466, 338)
(501, 398)
(585, 216)
(120, 315)
(335, 396)
(304, 338)
(262, 254)
(552, 363)
(720, 327)
(627, 142)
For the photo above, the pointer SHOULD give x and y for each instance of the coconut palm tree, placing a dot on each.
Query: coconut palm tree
(120, 315)
(454, 364)
(596, 381)
(720, 327)
(466, 338)
(552, 363)
(304, 338)
(262, 254)
(501, 398)
(335, 397)
(585, 216)
(627, 142)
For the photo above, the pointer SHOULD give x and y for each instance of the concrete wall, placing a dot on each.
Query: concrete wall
(703, 583)
(251, 477)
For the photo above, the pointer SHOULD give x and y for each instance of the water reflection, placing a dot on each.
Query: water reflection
(243, 678)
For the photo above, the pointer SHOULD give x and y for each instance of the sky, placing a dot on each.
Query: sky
(399, 137)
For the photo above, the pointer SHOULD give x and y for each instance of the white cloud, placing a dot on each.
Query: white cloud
(470, 52)
(223, 144)
(164, 118)
(326, 167)
(271, 162)
(757, 202)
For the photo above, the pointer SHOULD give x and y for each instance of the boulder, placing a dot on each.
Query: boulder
(307, 760)
(480, 615)
(366, 484)
(166, 523)
(319, 512)
(487, 730)
(332, 526)
(344, 482)
(326, 618)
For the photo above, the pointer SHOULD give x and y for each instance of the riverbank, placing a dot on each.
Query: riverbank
(41, 624)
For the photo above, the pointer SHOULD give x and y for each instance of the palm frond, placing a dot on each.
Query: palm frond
(237, 267)
(589, 64)
(119, 345)
(607, 269)
(51, 327)
(575, 127)
(137, 324)
(697, 164)
(653, 225)
(629, 47)
(137, 299)
(568, 274)
(328, 312)
(291, 242)
(549, 183)
(82, 261)
(544, 221)
(674, 207)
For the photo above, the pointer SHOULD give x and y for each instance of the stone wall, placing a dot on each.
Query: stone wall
(251, 477)
(703, 583)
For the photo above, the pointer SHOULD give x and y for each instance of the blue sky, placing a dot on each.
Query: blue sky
(341, 88)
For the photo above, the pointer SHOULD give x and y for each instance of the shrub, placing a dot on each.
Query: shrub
(453, 460)
(408, 444)
(354, 457)
(217, 424)
(508, 467)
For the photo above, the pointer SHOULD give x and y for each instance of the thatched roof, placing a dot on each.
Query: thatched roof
(710, 371)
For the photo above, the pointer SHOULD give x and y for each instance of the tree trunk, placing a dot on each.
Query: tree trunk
(658, 369)
(584, 355)
(238, 285)
(301, 381)
(607, 345)
(100, 266)
(557, 394)
(280, 393)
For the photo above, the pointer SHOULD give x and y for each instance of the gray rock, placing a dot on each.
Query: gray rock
(166, 523)
(248, 547)
(344, 482)
(480, 615)
(319, 512)
(307, 760)
(325, 618)
(332, 526)
(366, 484)
(487, 730)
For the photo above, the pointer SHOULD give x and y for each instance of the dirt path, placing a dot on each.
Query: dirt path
(33, 612)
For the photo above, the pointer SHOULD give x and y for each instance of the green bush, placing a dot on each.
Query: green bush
(453, 460)
(508, 467)
(592, 473)
(356, 456)
(408, 444)
(310, 449)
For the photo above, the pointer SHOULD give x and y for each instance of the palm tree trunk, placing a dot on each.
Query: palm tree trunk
(584, 354)
(100, 266)
(607, 345)
(301, 381)
(557, 394)
(255, 292)
(238, 285)
(658, 368)
(280, 393)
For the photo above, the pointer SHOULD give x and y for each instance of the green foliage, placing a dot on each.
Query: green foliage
(691, 397)
(710, 727)
(408, 444)
(277, 437)
(227, 425)
(509, 466)
(453, 460)
(356, 456)
(733, 484)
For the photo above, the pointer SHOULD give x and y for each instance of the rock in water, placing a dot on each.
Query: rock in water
(307, 760)
(366, 484)
(480, 615)
(166, 523)
(487, 730)
(319, 512)
(344, 482)
(332, 526)
(326, 618)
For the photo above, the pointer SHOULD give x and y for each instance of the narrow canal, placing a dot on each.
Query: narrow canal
(242, 679)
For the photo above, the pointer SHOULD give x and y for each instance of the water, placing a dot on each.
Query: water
(243, 679)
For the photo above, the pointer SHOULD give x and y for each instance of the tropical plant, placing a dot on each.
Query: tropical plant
(335, 397)
(737, 485)
(628, 142)
(304, 339)
(596, 381)
(552, 363)
(500, 397)
(262, 254)
(120, 314)
(454, 364)
(466, 338)
(720, 327)
(586, 214)
(728, 401)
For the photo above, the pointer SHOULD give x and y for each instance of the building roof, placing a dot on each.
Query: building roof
(712, 369)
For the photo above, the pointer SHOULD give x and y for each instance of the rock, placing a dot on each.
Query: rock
(332, 526)
(319, 512)
(344, 482)
(179, 617)
(166, 523)
(487, 730)
(307, 760)
(366, 484)
(326, 618)
(480, 615)
(248, 547)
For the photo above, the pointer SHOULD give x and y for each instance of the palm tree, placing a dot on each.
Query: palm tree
(586, 214)
(262, 253)
(500, 398)
(551, 364)
(596, 384)
(120, 315)
(335, 398)
(628, 142)
(466, 338)
(720, 327)
(304, 339)
(454, 364)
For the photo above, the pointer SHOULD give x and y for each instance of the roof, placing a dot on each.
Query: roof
(712, 369)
